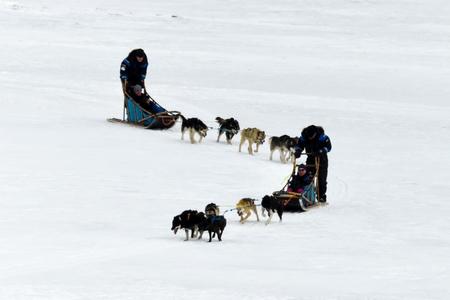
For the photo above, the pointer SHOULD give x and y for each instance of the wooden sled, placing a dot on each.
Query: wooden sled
(156, 117)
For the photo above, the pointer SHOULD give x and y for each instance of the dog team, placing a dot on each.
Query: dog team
(230, 127)
(214, 223)
(210, 220)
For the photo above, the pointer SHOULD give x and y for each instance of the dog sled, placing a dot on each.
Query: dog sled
(300, 202)
(155, 117)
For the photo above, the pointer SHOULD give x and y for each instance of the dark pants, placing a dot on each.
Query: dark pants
(322, 176)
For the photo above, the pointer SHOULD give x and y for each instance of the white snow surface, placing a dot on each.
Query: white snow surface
(86, 205)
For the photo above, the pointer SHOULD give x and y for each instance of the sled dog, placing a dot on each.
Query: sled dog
(253, 136)
(215, 225)
(271, 204)
(284, 144)
(245, 207)
(228, 126)
(193, 125)
(188, 220)
(212, 210)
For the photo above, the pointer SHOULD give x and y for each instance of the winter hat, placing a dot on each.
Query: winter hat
(137, 89)
(302, 166)
(309, 131)
(139, 53)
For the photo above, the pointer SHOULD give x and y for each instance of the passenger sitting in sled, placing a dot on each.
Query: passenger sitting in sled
(143, 99)
(300, 180)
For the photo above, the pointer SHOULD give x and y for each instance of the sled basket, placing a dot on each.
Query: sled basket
(298, 202)
(155, 118)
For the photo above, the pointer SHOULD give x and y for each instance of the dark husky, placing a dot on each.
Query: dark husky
(212, 210)
(194, 125)
(285, 144)
(214, 225)
(188, 220)
(272, 204)
(228, 126)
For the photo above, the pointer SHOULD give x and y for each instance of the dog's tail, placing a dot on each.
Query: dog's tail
(183, 118)
(220, 120)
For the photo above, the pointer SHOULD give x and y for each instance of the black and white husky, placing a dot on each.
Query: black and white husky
(188, 220)
(228, 126)
(285, 144)
(194, 125)
(272, 205)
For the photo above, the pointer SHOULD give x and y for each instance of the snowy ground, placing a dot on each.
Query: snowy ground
(86, 205)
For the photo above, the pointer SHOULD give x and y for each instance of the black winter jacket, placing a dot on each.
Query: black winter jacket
(319, 145)
(133, 71)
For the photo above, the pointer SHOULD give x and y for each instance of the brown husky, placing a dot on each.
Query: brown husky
(246, 206)
(253, 136)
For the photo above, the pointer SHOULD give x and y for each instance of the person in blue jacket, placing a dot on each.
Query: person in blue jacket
(133, 70)
(316, 144)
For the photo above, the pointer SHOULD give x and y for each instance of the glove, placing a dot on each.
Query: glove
(298, 152)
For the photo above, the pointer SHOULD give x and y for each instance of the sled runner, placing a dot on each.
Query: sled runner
(156, 117)
(299, 202)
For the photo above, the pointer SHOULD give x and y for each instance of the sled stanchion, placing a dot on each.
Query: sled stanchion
(124, 105)
(316, 176)
(294, 165)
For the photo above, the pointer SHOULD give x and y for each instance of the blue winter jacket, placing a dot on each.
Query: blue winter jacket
(320, 144)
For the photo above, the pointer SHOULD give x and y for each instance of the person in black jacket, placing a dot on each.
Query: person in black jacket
(133, 69)
(299, 181)
(316, 144)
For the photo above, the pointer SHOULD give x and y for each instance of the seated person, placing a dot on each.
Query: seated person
(143, 99)
(301, 180)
